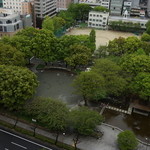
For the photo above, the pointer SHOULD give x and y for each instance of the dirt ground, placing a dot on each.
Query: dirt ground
(102, 36)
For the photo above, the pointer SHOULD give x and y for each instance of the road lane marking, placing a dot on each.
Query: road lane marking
(18, 145)
(6, 149)
(25, 139)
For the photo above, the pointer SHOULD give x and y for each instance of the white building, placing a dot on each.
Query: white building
(142, 22)
(19, 6)
(44, 8)
(10, 22)
(93, 3)
(98, 19)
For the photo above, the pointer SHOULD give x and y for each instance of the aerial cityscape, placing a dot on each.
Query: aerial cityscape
(75, 74)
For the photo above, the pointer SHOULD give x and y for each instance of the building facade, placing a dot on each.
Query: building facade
(98, 19)
(10, 22)
(44, 8)
(142, 22)
(93, 3)
(19, 6)
(116, 7)
(63, 4)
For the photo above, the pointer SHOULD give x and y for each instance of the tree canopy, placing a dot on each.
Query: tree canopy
(17, 86)
(84, 120)
(11, 56)
(90, 85)
(114, 83)
(127, 140)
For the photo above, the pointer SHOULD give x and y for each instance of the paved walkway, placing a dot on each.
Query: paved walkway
(107, 142)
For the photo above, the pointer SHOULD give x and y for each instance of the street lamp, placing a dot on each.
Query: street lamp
(63, 140)
(147, 140)
(34, 120)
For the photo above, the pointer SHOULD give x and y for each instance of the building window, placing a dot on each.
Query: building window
(17, 26)
(1, 22)
(8, 21)
(5, 29)
(1, 28)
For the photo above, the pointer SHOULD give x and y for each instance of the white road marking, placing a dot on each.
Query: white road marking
(6, 149)
(18, 145)
(25, 139)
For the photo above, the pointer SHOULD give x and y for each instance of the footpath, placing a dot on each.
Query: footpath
(107, 142)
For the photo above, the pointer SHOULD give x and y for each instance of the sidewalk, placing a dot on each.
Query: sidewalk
(108, 141)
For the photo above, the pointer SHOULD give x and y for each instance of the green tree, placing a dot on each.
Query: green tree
(17, 86)
(145, 37)
(141, 85)
(79, 11)
(115, 84)
(22, 41)
(92, 38)
(115, 47)
(11, 56)
(90, 85)
(100, 9)
(84, 121)
(120, 46)
(135, 63)
(58, 23)
(102, 51)
(127, 140)
(44, 45)
(51, 113)
(78, 55)
(148, 30)
(48, 24)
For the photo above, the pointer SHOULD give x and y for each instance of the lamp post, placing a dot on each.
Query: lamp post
(63, 140)
(147, 140)
(34, 120)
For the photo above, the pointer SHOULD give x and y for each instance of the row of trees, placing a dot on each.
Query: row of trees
(56, 116)
(74, 50)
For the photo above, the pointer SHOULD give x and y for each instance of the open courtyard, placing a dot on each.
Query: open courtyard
(102, 36)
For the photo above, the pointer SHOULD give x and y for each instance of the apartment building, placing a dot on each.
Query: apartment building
(116, 7)
(10, 22)
(98, 19)
(44, 8)
(93, 3)
(63, 4)
(19, 6)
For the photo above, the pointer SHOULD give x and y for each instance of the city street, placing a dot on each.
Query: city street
(10, 141)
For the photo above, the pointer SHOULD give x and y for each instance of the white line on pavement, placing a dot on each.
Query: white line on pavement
(18, 145)
(25, 139)
(6, 149)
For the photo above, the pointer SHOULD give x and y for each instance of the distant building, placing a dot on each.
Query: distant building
(142, 22)
(93, 3)
(63, 4)
(19, 6)
(44, 8)
(98, 19)
(116, 7)
(10, 22)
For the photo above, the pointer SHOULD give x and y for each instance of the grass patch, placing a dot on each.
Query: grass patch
(24, 131)
(40, 67)
(5, 124)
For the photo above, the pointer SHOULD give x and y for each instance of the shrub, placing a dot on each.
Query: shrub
(127, 140)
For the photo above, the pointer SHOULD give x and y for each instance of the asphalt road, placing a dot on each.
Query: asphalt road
(11, 141)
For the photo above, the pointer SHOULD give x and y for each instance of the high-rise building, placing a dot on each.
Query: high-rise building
(44, 8)
(63, 4)
(116, 7)
(19, 6)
